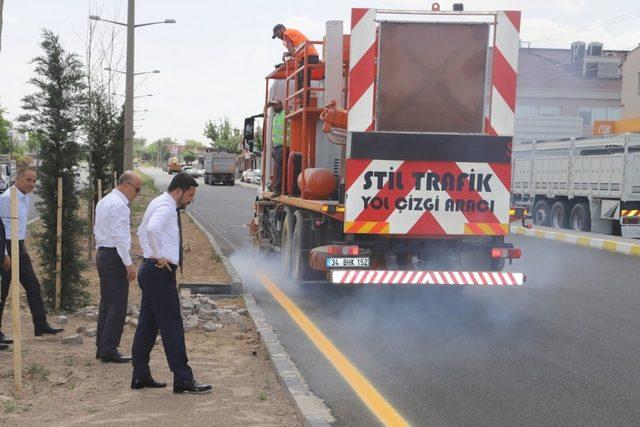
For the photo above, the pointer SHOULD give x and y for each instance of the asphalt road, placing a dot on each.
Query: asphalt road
(563, 350)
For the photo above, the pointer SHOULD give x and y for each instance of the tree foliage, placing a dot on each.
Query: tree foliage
(54, 112)
(5, 139)
(223, 136)
(189, 156)
(100, 129)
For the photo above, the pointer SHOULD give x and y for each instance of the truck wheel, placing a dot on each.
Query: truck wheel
(541, 212)
(285, 241)
(300, 242)
(560, 214)
(206, 180)
(232, 183)
(580, 218)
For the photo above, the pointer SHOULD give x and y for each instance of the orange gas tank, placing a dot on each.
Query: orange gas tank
(319, 183)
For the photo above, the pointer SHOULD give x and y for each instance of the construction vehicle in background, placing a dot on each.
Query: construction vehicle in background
(219, 167)
(404, 178)
(174, 166)
(582, 184)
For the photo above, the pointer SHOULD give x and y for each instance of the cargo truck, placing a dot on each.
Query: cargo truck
(583, 184)
(397, 160)
(219, 167)
(174, 166)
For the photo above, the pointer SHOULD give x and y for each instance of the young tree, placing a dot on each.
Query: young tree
(100, 130)
(53, 111)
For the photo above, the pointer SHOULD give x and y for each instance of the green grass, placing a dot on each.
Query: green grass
(9, 406)
(37, 372)
(69, 360)
(262, 396)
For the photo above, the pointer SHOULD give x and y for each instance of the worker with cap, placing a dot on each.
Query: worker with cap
(277, 140)
(292, 40)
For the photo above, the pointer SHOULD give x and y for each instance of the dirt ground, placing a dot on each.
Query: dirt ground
(66, 385)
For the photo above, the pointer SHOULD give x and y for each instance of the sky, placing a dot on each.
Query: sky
(213, 61)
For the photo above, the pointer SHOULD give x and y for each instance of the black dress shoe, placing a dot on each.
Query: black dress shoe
(3, 347)
(46, 329)
(139, 383)
(115, 357)
(190, 387)
(4, 339)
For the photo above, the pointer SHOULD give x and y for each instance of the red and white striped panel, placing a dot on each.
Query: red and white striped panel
(400, 277)
(505, 73)
(362, 69)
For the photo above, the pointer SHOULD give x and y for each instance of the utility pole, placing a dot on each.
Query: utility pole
(128, 103)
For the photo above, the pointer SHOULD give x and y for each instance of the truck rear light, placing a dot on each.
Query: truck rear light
(506, 253)
(631, 220)
(353, 250)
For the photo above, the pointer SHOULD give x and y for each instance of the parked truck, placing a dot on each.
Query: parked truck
(583, 184)
(404, 178)
(219, 167)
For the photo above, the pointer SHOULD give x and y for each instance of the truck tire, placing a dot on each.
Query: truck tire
(232, 183)
(285, 241)
(580, 218)
(541, 212)
(560, 214)
(206, 179)
(301, 242)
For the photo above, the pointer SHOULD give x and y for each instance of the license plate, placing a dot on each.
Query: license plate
(348, 262)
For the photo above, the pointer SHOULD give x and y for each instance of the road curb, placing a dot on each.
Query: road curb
(236, 281)
(311, 409)
(601, 243)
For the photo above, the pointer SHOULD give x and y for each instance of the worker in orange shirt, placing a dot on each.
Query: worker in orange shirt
(292, 40)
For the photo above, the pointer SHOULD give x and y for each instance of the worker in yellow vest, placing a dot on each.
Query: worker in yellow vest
(277, 141)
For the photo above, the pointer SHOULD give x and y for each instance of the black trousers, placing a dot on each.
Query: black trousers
(277, 170)
(30, 284)
(160, 311)
(114, 294)
(300, 77)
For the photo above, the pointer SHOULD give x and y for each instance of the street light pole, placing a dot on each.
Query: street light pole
(128, 103)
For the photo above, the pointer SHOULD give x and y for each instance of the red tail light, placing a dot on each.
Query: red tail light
(506, 253)
(344, 250)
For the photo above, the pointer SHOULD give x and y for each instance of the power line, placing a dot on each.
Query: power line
(630, 15)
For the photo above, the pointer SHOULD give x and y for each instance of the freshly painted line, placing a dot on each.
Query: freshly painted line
(610, 245)
(362, 387)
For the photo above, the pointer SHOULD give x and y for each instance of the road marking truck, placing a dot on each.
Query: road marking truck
(397, 159)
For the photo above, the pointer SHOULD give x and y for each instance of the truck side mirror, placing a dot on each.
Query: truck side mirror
(249, 123)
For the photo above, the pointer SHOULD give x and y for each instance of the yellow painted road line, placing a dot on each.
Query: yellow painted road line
(362, 387)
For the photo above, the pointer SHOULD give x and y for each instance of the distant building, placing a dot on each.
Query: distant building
(561, 92)
(631, 85)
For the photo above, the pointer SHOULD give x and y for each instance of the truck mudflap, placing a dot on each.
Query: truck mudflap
(422, 278)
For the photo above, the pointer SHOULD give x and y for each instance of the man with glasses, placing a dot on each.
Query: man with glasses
(115, 268)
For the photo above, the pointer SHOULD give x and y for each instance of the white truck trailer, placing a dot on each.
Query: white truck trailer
(581, 184)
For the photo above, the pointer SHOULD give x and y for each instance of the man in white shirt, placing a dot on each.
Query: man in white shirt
(25, 183)
(115, 268)
(161, 240)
